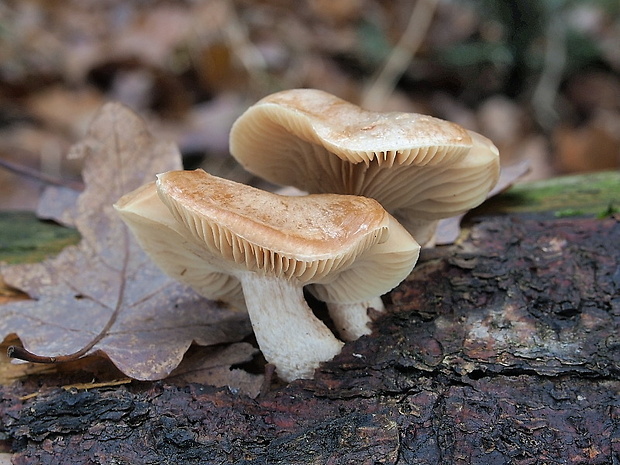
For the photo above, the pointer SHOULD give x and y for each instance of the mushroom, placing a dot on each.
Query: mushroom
(420, 168)
(175, 252)
(348, 247)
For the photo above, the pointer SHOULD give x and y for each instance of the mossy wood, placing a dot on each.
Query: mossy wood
(595, 194)
(503, 348)
(26, 239)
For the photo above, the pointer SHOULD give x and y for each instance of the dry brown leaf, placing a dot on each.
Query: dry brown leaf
(59, 204)
(214, 366)
(106, 281)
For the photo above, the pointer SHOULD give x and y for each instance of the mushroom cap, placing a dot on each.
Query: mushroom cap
(167, 243)
(263, 136)
(443, 191)
(395, 257)
(416, 166)
(310, 239)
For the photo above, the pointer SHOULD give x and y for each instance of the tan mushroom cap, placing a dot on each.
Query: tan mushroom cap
(441, 191)
(418, 167)
(311, 239)
(167, 243)
(281, 121)
(349, 246)
(394, 257)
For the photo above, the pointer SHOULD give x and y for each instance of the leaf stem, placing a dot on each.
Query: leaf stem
(19, 353)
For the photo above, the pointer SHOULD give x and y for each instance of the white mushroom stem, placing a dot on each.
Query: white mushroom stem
(352, 320)
(290, 336)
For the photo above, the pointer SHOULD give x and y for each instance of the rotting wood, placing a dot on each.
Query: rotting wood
(500, 349)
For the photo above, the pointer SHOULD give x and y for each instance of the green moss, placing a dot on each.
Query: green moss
(593, 194)
(26, 239)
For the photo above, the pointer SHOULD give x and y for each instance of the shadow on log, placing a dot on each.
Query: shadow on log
(501, 349)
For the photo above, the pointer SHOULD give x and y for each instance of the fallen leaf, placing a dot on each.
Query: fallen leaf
(58, 204)
(104, 294)
(64, 109)
(214, 366)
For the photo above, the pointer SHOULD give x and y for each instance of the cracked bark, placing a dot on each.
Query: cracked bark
(503, 348)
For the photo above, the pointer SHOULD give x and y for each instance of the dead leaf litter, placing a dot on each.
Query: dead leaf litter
(104, 295)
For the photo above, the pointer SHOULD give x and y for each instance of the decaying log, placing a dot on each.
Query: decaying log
(504, 348)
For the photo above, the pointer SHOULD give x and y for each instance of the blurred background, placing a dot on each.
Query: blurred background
(541, 78)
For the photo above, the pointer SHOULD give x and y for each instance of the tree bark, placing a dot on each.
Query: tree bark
(503, 348)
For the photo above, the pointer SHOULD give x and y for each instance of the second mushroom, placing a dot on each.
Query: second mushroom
(421, 169)
(223, 238)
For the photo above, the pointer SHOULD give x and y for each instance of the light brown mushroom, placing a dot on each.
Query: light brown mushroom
(420, 168)
(178, 254)
(348, 247)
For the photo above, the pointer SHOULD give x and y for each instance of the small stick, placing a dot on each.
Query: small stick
(384, 82)
(30, 173)
(19, 353)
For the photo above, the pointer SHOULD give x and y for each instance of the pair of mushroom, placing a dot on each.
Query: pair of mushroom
(259, 249)
(228, 240)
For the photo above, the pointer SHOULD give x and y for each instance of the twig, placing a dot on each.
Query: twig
(384, 82)
(30, 173)
(238, 40)
(546, 90)
(84, 386)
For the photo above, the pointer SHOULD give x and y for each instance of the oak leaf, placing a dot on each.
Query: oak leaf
(104, 295)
